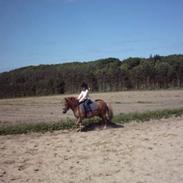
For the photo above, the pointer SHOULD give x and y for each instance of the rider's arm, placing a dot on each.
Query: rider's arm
(80, 95)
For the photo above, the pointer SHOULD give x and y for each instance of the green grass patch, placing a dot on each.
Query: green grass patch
(148, 115)
(69, 124)
(36, 127)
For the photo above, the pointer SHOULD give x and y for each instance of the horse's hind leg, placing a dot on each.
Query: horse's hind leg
(105, 121)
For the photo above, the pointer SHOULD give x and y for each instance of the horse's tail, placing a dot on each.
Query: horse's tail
(109, 112)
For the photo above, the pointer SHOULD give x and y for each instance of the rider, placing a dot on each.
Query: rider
(84, 96)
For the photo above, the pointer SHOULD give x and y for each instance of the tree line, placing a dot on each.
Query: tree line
(110, 74)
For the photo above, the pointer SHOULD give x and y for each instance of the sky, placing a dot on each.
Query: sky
(34, 32)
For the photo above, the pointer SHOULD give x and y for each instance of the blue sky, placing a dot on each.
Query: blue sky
(34, 32)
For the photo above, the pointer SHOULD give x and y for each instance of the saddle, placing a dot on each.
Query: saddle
(88, 106)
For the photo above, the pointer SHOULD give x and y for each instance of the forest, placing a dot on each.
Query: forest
(103, 75)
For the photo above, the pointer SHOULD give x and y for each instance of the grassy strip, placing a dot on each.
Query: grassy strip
(69, 124)
(36, 127)
(148, 115)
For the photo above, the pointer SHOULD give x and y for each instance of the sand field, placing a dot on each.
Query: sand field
(149, 152)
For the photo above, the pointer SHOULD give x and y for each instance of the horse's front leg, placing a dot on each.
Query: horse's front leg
(79, 123)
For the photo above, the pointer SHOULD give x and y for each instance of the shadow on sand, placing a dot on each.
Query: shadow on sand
(100, 126)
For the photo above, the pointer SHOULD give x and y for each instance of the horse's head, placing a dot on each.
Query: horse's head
(66, 105)
(70, 102)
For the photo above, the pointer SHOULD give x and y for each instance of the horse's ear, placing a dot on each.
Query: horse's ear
(66, 99)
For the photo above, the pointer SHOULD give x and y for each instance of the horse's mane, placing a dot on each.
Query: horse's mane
(72, 101)
(72, 98)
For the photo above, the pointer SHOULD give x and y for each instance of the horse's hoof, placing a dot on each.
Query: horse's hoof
(78, 130)
(105, 127)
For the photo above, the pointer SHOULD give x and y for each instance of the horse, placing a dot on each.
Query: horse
(103, 110)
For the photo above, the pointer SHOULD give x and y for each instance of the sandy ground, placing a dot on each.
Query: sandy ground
(49, 109)
(150, 152)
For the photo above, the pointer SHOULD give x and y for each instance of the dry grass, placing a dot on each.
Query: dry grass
(49, 108)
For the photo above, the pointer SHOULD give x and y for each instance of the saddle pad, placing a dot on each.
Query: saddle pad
(91, 107)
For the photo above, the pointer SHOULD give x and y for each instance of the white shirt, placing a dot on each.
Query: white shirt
(83, 95)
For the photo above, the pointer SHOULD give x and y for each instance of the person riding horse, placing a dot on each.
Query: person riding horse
(84, 97)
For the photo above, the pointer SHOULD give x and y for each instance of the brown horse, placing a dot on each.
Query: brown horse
(103, 111)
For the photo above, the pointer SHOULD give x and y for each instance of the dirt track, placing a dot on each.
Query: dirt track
(149, 152)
